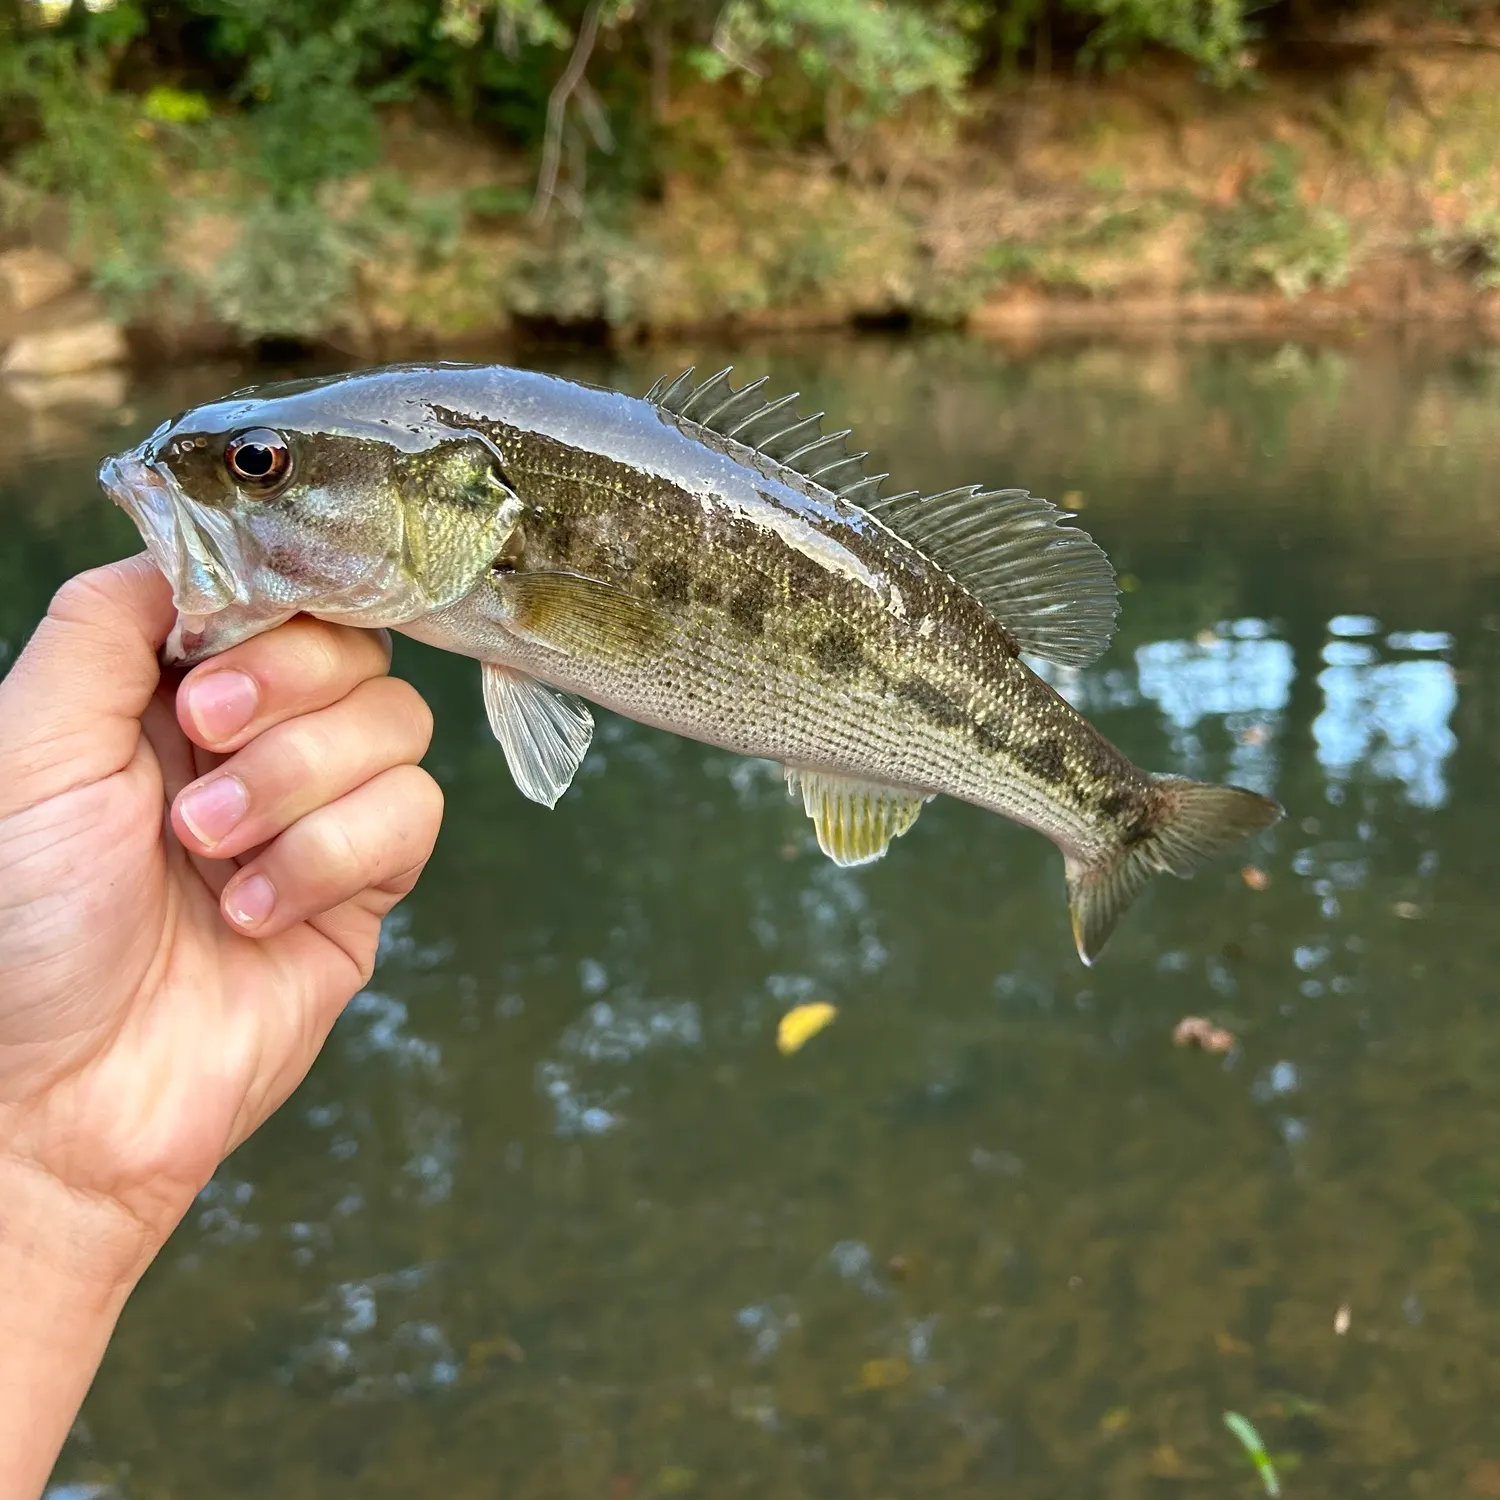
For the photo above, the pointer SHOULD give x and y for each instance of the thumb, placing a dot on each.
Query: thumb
(70, 708)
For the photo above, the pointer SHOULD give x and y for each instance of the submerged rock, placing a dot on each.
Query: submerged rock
(67, 350)
(31, 277)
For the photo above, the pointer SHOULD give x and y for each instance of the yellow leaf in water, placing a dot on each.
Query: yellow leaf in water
(1166, 1463)
(1228, 1344)
(484, 1352)
(800, 1024)
(675, 1480)
(1484, 1477)
(882, 1374)
(1116, 1419)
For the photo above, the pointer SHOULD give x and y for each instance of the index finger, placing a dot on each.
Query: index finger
(296, 669)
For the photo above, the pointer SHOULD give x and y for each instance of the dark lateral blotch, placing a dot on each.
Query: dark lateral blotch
(671, 583)
(838, 651)
(1044, 759)
(931, 701)
(993, 735)
(748, 607)
(1112, 804)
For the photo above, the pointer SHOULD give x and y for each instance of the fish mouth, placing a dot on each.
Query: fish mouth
(194, 546)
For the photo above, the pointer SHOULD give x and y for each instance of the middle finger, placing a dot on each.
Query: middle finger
(300, 765)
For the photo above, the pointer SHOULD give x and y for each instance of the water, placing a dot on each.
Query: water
(552, 1217)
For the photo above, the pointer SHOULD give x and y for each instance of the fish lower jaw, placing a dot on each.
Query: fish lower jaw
(185, 640)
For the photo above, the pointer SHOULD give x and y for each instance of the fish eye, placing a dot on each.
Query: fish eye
(259, 458)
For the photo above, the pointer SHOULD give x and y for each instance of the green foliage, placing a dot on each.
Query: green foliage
(1473, 248)
(290, 274)
(423, 227)
(168, 106)
(1213, 33)
(887, 52)
(534, 21)
(809, 261)
(100, 153)
(312, 76)
(496, 201)
(1270, 236)
(1080, 253)
(593, 272)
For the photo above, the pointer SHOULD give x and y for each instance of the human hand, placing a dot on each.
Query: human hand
(169, 971)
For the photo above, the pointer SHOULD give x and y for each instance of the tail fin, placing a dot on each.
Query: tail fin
(1194, 822)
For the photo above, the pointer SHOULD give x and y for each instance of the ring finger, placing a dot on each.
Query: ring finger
(375, 839)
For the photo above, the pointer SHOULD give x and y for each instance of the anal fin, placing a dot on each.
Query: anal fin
(544, 732)
(855, 820)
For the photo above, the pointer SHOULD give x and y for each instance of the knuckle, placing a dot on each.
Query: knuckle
(414, 708)
(426, 803)
(432, 795)
(413, 802)
(301, 753)
(402, 719)
(290, 662)
(79, 598)
(319, 660)
(333, 854)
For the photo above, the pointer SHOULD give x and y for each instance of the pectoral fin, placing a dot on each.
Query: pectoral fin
(577, 616)
(545, 733)
(855, 820)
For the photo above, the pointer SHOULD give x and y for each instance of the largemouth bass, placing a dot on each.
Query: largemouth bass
(703, 560)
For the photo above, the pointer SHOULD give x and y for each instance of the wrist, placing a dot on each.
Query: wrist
(53, 1234)
(67, 1265)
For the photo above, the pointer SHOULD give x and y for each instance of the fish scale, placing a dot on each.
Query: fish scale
(704, 560)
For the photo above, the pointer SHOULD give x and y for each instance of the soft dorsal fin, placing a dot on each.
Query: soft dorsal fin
(1050, 585)
(771, 428)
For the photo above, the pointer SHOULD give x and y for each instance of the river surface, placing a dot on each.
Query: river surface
(553, 1217)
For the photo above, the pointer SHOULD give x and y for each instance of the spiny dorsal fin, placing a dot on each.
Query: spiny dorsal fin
(771, 428)
(1049, 584)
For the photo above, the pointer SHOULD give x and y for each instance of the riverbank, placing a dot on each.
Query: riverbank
(1355, 185)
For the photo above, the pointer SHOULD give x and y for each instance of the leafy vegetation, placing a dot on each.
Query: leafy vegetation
(1269, 235)
(1472, 248)
(233, 156)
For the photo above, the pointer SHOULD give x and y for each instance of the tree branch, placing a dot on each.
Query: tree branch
(557, 110)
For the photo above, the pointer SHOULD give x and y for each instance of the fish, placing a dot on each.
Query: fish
(703, 559)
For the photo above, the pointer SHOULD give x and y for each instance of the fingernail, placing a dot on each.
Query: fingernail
(220, 704)
(250, 903)
(212, 809)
